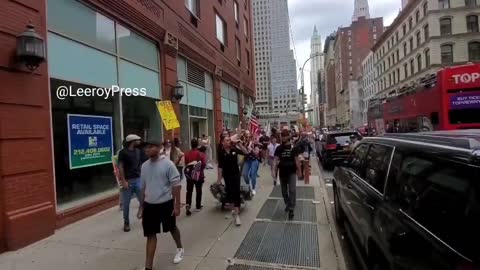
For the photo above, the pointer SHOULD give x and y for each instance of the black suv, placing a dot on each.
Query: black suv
(335, 147)
(412, 201)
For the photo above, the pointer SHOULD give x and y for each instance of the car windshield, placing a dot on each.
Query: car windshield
(341, 139)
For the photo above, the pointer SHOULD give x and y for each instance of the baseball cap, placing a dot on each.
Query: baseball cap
(132, 137)
(285, 133)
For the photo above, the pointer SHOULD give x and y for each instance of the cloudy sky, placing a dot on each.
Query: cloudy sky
(328, 15)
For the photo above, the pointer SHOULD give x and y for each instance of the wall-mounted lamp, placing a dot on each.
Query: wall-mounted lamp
(245, 110)
(30, 48)
(178, 92)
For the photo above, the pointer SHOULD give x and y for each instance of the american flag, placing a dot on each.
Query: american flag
(253, 124)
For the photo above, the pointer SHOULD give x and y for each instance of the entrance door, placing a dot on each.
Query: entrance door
(198, 127)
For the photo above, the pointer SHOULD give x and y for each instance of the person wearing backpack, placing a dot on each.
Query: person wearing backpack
(130, 160)
(195, 162)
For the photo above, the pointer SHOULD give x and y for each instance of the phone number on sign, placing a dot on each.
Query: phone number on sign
(77, 152)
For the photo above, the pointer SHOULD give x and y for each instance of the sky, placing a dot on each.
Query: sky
(328, 15)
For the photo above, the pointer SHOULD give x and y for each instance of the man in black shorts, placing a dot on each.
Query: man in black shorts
(161, 186)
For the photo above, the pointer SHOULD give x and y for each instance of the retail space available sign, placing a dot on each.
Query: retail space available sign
(465, 101)
(167, 113)
(90, 140)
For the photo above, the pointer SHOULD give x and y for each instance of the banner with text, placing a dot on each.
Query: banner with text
(90, 140)
(465, 101)
(167, 113)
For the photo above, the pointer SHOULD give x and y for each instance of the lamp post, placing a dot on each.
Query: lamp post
(302, 88)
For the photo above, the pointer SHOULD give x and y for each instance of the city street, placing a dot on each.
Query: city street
(350, 258)
(211, 241)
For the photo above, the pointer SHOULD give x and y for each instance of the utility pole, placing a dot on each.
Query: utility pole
(302, 88)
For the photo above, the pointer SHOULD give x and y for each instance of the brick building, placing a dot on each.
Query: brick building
(352, 45)
(330, 89)
(148, 44)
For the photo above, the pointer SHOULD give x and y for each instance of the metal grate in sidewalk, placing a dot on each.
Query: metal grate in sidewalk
(281, 243)
(247, 267)
(274, 209)
(307, 193)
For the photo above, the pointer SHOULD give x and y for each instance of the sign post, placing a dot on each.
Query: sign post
(90, 140)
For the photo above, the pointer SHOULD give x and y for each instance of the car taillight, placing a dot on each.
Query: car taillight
(331, 146)
(467, 266)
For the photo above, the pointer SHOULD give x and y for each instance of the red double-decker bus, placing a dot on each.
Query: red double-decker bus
(445, 101)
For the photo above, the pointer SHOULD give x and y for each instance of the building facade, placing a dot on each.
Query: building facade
(275, 64)
(369, 78)
(330, 80)
(426, 36)
(317, 79)
(205, 46)
(352, 45)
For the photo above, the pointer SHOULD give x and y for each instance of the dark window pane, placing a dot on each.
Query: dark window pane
(377, 162)
(443, 196)
(445, 26)
(447, 54)
(357, 160)
(474, 51)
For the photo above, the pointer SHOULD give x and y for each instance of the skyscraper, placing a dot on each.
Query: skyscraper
(275, 63)
(317, 95)
(361, 9)
(404, 3)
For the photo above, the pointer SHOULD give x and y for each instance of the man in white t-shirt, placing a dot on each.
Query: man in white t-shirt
(271, 155)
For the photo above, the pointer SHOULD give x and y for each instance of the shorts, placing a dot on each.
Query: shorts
(156, 215)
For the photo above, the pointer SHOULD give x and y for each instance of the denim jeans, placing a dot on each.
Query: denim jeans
(134, 187)
(250, 170)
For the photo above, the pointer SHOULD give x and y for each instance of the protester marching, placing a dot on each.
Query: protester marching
(155, 171)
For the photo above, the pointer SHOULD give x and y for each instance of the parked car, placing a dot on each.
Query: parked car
(412, 201)
(335, 147)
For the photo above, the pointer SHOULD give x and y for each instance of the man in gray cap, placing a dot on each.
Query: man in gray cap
(130, 160)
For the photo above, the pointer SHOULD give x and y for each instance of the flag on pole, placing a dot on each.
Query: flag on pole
(253, 124)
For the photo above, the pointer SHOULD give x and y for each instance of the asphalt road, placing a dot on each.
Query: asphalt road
(348, 251)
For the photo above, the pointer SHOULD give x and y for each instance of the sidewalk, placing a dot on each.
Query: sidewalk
(210, 239)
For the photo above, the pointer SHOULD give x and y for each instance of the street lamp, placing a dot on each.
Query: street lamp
(178, 92)
(302, 88)
(30, 48)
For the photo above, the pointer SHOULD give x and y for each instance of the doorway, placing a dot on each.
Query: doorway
(198, 127)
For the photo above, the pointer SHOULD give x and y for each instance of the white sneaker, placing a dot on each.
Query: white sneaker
(236, 218)
(254, 192)
(179, 256)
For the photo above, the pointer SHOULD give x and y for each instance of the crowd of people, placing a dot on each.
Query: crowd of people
(153, 172)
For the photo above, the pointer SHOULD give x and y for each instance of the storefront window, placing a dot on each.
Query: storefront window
(141, 117)
(76, 185)
(73, 19)
(135, 48)
(78, 34)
